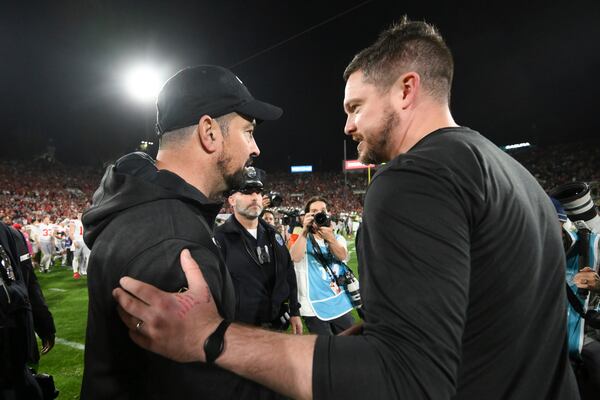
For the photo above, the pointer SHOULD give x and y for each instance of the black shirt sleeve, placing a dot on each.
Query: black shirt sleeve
(414, 258)
(293, 285)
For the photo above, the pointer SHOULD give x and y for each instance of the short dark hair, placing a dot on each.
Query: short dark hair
(407, 46)
(265, 211)
(178, 136)
(314, 199)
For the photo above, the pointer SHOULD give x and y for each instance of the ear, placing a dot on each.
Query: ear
(406, 89)
(231, 200)
(207, 133)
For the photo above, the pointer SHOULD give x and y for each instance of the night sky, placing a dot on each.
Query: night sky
(522, 72)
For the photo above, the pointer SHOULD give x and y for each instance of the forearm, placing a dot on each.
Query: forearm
(298, 248)
(279, 361)
(338, 250)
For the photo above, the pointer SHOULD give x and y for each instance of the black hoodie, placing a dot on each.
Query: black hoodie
(140, 220)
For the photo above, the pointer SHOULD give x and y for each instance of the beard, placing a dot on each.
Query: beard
(375, 151)
(232, 180)
(248, 212)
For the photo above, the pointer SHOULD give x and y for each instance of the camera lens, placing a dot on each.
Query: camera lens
(276, 199)
(322, 219)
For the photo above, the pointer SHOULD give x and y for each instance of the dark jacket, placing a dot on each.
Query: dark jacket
(17, 338)
(256, 302)
(140, 220)
(43, 321)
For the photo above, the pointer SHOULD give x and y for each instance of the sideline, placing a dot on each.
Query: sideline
(74, 345)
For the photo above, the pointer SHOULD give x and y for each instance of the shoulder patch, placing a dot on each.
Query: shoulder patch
(279, 239)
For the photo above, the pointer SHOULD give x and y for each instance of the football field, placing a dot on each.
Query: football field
(67, 300)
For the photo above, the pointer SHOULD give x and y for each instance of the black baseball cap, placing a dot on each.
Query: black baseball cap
(253, 180)
(206, 90)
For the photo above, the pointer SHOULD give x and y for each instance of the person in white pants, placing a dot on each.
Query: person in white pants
(46, 243)
(81, 252)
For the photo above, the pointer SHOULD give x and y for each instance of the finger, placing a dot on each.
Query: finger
(192, 271)
(143, 291)
(132, 309)
(586, 269)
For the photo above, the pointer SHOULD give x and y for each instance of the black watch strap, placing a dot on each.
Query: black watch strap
(215, 343)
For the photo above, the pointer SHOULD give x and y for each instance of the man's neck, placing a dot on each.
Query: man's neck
(429, 119)
(246, 222)
(197, 173)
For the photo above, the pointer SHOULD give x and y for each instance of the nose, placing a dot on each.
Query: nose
(254, 150)
(350, 126)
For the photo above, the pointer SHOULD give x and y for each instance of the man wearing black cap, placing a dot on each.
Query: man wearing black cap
(259, 262)
(461, 267)
(145, 212)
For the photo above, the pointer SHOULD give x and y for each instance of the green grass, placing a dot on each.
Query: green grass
(67, 300)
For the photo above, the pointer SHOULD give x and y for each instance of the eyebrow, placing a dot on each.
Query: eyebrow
(349, 103)
(250, 124)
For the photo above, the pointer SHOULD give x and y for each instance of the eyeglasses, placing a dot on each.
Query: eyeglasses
(251, 190)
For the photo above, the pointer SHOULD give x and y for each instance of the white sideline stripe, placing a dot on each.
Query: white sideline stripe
(55, 289)
(74, 345)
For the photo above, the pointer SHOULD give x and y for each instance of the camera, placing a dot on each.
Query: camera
(322, 219)
(352, 286)
(275, 198)
(290, 215)
(576, 198)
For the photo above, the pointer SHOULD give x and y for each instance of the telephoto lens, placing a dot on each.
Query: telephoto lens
(576, 198)
(353, 288)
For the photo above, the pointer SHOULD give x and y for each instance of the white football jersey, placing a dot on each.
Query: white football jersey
(78, 233)
(45, 232)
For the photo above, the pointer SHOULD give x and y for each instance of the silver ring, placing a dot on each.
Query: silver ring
(139, 325)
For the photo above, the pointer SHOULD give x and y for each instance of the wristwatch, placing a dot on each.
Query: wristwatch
(215, 343)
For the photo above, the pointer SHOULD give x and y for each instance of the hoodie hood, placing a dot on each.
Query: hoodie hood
(134, 180)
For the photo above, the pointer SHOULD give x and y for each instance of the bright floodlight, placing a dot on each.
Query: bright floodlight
(143, 83)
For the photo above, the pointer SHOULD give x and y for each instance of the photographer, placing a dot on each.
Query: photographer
(259, 263)
(318, 255)
(582, 251)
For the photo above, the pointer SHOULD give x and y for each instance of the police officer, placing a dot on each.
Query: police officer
(43, 322)
(17, 339)
(258, 261)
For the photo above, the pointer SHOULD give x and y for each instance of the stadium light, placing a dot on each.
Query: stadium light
(143, 83)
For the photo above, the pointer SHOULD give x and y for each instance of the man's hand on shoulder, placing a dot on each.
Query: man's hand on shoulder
(154, 316)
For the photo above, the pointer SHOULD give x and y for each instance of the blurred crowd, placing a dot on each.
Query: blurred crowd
(29, 190)
(558, 164)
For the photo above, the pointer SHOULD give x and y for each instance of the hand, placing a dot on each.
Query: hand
(47, 344)
(354, 330)
(326, 233)
(296, 324)
(307, 222)
(266, 202)
(174, 325)
(587, 279)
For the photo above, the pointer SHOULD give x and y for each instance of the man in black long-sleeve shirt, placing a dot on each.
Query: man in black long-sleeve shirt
(459, 254)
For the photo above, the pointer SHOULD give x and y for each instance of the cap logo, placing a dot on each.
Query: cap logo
(251, 172)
